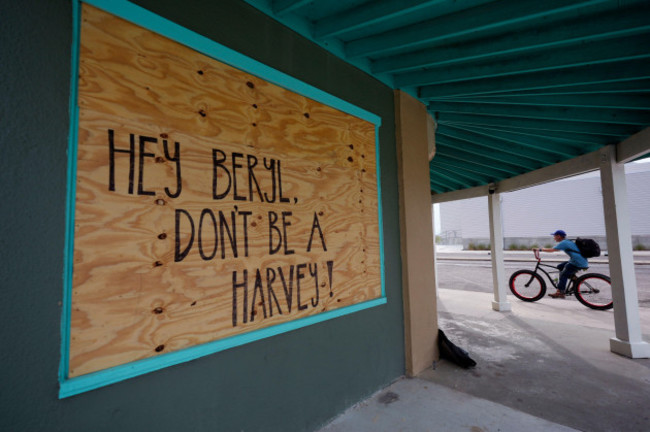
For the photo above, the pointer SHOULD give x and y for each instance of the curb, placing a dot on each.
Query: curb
(514, 259)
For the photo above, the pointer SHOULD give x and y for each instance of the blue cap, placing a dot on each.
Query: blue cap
(559, 232)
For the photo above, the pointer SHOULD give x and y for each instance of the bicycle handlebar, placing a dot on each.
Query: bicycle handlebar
(536, 252)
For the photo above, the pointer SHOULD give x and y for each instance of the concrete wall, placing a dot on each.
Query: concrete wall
(465, 218)
(529, 215)
(291, 382)
(638, 194)
(575, 206)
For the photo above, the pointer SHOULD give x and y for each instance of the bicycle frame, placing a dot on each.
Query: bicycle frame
(539, 265)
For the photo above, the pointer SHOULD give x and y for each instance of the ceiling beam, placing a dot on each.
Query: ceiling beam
(472, 177)
(475, 192)
(560, 114)
(593, 52)
(366, 14)
(608, 88)
(441, 176)
(568, 144)
(612, 130)
(481, 170)
(592, 74)
(612, 23)
(485, 17)
(440, 185)
(539, 143)
(630, 101)
(489, 152)
(633, 147)
(284, 7)
(568, 168)
(468, 157)
(537, 152)
(470, 165)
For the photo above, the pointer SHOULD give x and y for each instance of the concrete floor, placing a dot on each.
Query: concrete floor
(544, 366)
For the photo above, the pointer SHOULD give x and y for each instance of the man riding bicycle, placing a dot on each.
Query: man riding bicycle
(568, 268)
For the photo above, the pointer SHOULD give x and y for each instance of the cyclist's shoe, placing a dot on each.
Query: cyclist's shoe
(557, 295)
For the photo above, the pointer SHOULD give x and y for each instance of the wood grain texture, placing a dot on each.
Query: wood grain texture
(132, 297)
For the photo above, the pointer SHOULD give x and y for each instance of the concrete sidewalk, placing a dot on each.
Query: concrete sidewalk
(543, 366)
(420, 405)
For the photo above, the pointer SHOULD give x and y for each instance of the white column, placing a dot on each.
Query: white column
(628, 340)
(500, 302)
(435, 253)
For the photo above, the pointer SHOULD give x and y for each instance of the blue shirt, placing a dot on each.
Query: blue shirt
(570, 248)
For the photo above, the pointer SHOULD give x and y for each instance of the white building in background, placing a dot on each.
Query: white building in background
(529, 215)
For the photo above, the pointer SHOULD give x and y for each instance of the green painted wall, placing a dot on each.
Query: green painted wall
(293, 382)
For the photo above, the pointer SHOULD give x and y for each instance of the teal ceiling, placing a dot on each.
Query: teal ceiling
(514, 85)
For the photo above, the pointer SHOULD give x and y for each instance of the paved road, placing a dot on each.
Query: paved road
(476, 275)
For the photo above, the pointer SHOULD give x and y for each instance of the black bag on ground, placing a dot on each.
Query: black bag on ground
(588, 248)
(453, 353)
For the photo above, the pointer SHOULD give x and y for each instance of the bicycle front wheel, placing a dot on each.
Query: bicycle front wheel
(594, 290)
(527, 285)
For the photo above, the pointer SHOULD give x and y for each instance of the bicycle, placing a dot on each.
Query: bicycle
(593, 290)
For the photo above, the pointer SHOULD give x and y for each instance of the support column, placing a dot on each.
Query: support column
(628, 340)
(435, 253)
(416, 234)
(500, 302)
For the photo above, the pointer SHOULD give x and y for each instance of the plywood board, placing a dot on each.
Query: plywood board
(209, 202)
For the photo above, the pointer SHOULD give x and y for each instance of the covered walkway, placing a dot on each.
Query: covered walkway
(507, 94)
(610, 161)
(541, 366)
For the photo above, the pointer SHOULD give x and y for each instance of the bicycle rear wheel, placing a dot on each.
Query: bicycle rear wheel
(594, 290)
(527, 285)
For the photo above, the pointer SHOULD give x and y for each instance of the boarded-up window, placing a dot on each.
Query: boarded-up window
(209, 202)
